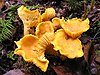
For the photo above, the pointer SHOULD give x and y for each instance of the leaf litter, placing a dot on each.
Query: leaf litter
(89, 64)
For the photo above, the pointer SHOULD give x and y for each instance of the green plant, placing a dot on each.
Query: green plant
(6, 26)
(11, 16)
(98, 51)
(5, 29)
(13, 7)
(69, 17)
(33, 7)
(11, 55)
(27, 0)
(1, 47)
(75, 4)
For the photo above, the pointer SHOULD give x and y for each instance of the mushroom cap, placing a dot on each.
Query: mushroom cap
(29, 49)
(29, 18)
(67, 46)
(44, 27)
(56, 22)
(48, 14)
(75, 27)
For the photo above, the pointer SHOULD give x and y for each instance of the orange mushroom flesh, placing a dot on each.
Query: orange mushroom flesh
(30, 49)
(29, 18)
(68, 47)
(75, 27)
(57, 23)
(46, 38)
(44, 27)
(48, 14)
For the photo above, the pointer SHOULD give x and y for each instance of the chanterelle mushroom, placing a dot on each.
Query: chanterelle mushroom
(75, 27)
(43, 28)
(30, 49)
(56, 22)
(65, 40)
(48, 14)
(68, 47)
(29, 18)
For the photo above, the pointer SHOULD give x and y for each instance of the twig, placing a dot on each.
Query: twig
(85, 10)
(91, 5)
(8, 9)
(3, 69)
(96, 35)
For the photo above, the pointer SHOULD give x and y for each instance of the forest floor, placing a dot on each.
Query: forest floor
(89, 64)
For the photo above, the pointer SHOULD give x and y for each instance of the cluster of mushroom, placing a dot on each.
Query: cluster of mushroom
(47, 33)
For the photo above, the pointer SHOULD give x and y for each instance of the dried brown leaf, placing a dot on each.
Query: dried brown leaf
(86, 48)
(15, 72)
(3, 15)
(1, 3)
(60, 70)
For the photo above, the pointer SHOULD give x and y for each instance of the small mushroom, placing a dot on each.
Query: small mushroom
(48, 14)
(44, 27)
(75, 27)
(71, 48)
(57, 22)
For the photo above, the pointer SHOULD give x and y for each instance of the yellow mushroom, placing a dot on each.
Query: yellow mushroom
(48, 14)
(33, 47)
(30, 49)
(57, 22)
(68, 47)
(75, 27)
(43, 28)
(29, 18)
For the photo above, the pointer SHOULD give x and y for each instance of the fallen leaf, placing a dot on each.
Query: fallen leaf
(15, 72)
(1, 3)
(86, 48)
(97, 59)
(60, 70)
(2, 15)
